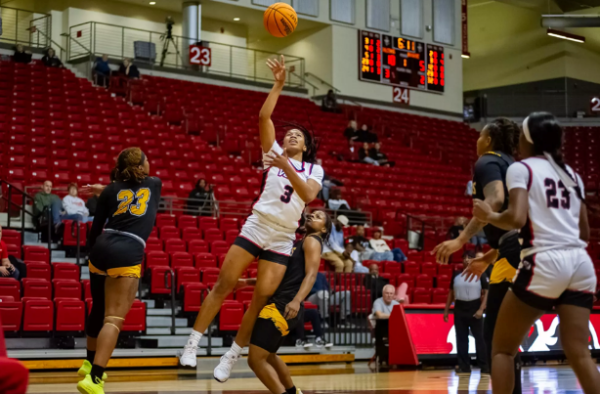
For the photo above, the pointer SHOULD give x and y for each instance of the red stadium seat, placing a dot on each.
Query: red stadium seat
(209, 276)
(169, 232)
(213, 234)
(165, 219)
(230, 318)
(70, 233)
(87, 289)
(157, 280)
(421, 296)
(40, 288)
(154, 245)
(38, 270)
(361, 300)
(406, 278)
(38, 315)
(181, 259)
(392, 267)
(187, 221)
(196, 246)
(66, 288)
(205, 260)
(65, 271)
(424, 281)
(135, 320)
(208, 223)
(70, 315)
(11, 236)
(244, 294)
(191, 233)
(187, 275)
(155, 259)
(429, 269)
(175, 245)
(446, 269)
(36, 253)
(12, 314)
(231, 235)
(229, 224)
(193, 295)
(219, 247)
(440, 295)
(10, 287)
(443, 281)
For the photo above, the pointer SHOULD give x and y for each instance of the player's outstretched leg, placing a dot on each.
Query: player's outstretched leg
(94, 323)
(119, 295)
(284, 373)
(265, 372)
(236, 262)
(268, 279)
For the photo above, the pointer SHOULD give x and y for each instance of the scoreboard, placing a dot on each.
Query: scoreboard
(399, 61)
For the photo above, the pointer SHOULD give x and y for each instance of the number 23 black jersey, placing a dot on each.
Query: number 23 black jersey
(129, 207)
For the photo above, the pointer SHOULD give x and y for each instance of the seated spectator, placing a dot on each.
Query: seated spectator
(374, 282)
(334, 251)
(336, 202)
(329, 103)
(381, 158)
(455, 230)
(45, 200)
(102, 71)
(363, 155)
(366, 251)
(198, 203)
(382, 307)
(74, 207)
(379, 245)
(50, 59)
(7, 270)
(366, 135)
(129, 69)
(351, 133)
(320, 296)
(328, 183)
(311, 316)
(21, 55)
(92, 202)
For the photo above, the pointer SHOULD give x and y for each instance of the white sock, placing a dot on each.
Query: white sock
(236, 349)
(195, 337)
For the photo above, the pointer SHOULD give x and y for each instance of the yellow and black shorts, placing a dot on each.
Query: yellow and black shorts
(271, 328)
(508, 261)
(116, 255)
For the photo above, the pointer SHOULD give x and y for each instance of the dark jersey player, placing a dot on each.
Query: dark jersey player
(285, 310)
(495, 147)
(126, 211)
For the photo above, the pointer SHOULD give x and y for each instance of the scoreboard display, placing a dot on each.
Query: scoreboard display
(399, 61)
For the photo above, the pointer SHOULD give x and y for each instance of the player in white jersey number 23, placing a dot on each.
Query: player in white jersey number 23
(291, 180)
(556, 273)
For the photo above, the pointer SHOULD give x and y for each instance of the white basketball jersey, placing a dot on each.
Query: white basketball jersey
(278, 203)
(553, 217)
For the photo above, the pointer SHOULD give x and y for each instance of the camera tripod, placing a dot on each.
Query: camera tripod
(168, 39)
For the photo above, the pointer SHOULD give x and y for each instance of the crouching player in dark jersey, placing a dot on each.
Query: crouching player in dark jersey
(285, 309)
(128, 207)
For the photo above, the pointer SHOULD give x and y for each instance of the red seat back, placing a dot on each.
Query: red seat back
(65, 271)
(38, 315)
(157, 280)
(244, 294)
(193, 295)
(175, 245)
(10, 287)
(135, 320)
(38, 270)
(70, 315)
(67, 288)
(181, 259)
(196, 246)
(230, 318)
(205, 260)
(187, 275)
(12, 313)
(157, 259)
(70, 233)
(37, 288)
(36, 253)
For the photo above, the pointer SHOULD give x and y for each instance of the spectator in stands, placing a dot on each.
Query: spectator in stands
(21, 55)
(45, 200)
(320, 295)
(469, 189)
(379, 245)
(382, 307)
(366, 135)
(92, 202)
(328, 183)
(376, 154)
(102, 71)
(198, 203)
(6, 268)
(129, 69)
(334, 251)
(336, 202)
(374, 282)
(366, 252)
(313, 317)
(469, 305)
(363, 155)
(457, 228)
(74, 207)
(50, 59)
(351, 133)
(329, 103)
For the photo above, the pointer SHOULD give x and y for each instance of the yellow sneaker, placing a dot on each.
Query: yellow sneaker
(298, 391)
(86, 369)
(87, 386)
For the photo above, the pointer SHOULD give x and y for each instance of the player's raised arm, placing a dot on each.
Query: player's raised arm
(265, 124)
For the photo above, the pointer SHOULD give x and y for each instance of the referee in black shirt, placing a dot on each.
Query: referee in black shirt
(469, 303)
(495, 147)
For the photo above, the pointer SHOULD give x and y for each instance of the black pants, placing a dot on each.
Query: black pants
(463, 321)
(496, 294)
(312, 316)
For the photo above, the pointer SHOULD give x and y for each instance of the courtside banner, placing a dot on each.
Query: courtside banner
(428, 334)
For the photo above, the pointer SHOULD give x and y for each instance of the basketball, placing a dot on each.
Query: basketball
(280, 20)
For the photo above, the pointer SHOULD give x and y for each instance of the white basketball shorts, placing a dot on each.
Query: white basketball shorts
(262, 240)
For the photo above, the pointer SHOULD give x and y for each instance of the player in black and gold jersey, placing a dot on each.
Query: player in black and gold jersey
(126, 210)
(285, 309)
(496, 146)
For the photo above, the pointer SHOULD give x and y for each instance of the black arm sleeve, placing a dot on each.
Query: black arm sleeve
(487, 171)
(485, 281)
(99, 218)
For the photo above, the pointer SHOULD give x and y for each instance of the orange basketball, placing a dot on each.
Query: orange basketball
(280, 20)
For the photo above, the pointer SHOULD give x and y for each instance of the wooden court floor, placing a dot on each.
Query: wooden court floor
(356, 378)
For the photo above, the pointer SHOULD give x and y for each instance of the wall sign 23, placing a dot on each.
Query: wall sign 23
(200, 55)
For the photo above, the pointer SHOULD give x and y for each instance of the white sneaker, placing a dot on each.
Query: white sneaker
(298, 391)
(188, 357)
(223, 370)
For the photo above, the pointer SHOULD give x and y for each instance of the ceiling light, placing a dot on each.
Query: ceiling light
(566, 36)
(152, 2)
(466, 55)
(236, 19)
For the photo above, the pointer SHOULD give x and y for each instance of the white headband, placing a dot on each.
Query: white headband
(526, 131)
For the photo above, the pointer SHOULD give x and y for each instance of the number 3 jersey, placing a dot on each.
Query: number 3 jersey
(278, 203)
(553, 217)
(129, 207)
